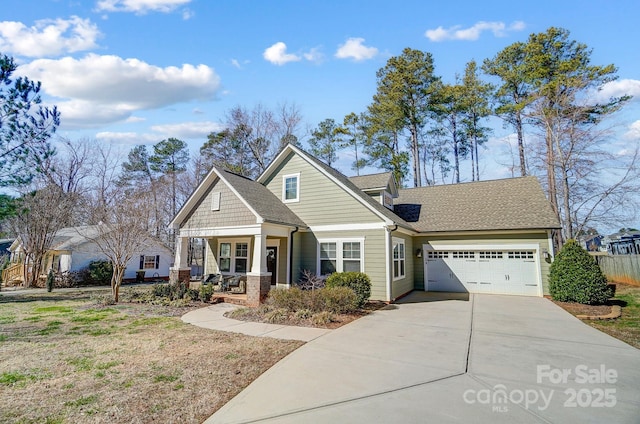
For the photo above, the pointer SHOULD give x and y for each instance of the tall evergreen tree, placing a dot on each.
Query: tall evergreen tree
(475, 94)
(326, 140)
(408, 81)
(513, 95)
(170, 158)
(25, 127)
(355, 133)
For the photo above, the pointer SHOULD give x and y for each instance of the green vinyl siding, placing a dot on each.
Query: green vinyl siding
(233, 211)
(374, 256)
(540, 239)
(321, 201)
(404, 285)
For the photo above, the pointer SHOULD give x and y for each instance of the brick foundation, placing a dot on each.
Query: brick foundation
(182, 275)
(258, 287)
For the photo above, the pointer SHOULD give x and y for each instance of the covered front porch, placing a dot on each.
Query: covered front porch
(259, 254)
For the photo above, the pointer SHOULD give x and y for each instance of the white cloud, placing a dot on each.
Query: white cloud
(634, 131)
(499, 29)
(188, 129)
(97, 89)
(184, 130)
(131, 138)
(354, 49)
(140, 6)
(314, 55)
(48, 37)
(188, 14)
(277, 54)
(619, 88)
(134, 119)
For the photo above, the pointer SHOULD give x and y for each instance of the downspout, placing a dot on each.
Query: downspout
(291, 255)
(389, 260)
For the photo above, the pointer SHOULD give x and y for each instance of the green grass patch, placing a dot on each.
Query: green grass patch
(3, 337)
(11, 378)
(107, 365)
(34, 318)
(55, 309)
(7, 319)
(93, 315)
(162, 378)
(81, 363)
(83, 401)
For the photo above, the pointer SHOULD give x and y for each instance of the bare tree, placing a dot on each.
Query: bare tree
(123, 233)
(39, 214)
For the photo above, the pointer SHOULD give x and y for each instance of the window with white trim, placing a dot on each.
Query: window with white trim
(291, 188)
(233, 256)
(398, 258)
(242, 257)
(342, 255)
(225, 257)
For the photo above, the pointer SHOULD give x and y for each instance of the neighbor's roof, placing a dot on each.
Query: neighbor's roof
(508, 204)
(371, 181)
(261, 200)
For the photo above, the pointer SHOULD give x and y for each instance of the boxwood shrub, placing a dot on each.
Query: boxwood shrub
(575, 276)
(359, 282)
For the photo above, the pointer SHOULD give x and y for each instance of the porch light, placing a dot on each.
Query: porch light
(418, 253)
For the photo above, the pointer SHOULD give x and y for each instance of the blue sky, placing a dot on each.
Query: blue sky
(138, 71)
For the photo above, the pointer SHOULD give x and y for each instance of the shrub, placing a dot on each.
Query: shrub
(172, 291)
(97, 273)
(575, 276)
(322, 318)
(67, 279)
(359, 282)
(277, 315)
(339, 300)
(292, 299)
(50, 280)
(206, 292)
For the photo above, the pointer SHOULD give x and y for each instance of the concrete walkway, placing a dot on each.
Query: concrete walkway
(212, 317)
(433, 358)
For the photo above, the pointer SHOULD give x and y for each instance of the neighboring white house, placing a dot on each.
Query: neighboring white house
(73, 250)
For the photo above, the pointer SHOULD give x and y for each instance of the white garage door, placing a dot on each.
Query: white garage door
(499, 271)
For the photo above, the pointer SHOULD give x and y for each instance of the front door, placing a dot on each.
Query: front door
(272, 263)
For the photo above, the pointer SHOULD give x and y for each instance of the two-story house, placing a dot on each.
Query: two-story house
(300, 214)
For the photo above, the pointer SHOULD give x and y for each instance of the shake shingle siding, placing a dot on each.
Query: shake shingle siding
(232, 210)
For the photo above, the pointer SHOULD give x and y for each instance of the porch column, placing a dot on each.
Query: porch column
(259, 279)
(259, 261)
(180, 271)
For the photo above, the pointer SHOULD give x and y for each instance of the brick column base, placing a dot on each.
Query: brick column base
(258, 287)
(182, 275)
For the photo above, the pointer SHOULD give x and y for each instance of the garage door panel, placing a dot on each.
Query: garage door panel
(482, 271)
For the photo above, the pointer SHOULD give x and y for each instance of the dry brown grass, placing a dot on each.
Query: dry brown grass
(64, 360)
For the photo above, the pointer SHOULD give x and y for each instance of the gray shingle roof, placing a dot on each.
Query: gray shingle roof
(262, 200)
(509, 204)
(364, 182)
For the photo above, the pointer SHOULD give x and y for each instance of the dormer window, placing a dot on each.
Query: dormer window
(291, 188)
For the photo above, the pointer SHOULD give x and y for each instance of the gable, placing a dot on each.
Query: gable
(231, 211)
(321, 201)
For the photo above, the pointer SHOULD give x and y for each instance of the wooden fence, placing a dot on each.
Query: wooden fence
(620, 268)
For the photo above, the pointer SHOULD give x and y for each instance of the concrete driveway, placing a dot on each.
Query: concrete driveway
(451, 358)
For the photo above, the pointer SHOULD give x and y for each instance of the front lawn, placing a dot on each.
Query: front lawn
(64, 359)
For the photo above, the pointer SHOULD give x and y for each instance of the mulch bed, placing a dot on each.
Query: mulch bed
(580, 309)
